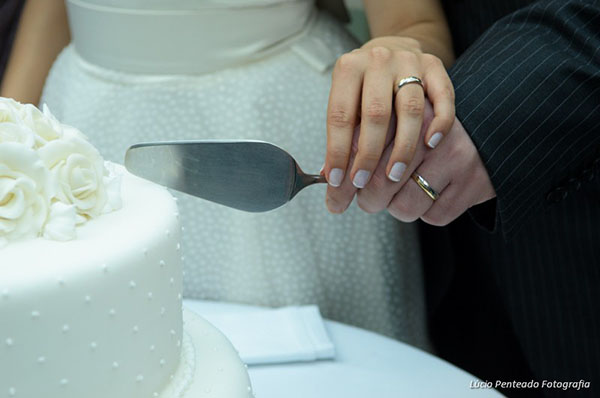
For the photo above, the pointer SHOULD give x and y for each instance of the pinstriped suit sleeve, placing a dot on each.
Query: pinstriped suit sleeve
(528, 94)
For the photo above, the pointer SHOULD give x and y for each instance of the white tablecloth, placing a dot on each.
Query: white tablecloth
(366, 365)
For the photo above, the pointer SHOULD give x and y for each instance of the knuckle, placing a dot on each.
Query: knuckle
(405, 152)
(408, 148)
(448, 92)
(432, 60)
(338, 154)
(377, 112)
(380, 54)
(408, 57)
(370, 156)
(339, 117)
(446, 121)
(412, 106)
(428, 58)
(443, 123)
(347, 63)
(413, 43)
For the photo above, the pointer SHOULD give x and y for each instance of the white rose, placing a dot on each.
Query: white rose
(71, 131)
(25, 192)
(61, 222)
(9, 110)
(44, 125)
(16, 132)
(112, 182)
(78, 169)
(12, 128)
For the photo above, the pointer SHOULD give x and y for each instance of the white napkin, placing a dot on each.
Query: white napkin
(290, 334)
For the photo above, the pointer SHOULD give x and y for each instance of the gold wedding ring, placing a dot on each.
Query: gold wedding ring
(409, 80)
(421, 182)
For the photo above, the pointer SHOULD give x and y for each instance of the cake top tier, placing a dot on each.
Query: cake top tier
(52, 178)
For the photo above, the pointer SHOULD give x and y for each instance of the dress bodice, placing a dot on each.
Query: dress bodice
(336, 7)
(182, 4)
(184, 36)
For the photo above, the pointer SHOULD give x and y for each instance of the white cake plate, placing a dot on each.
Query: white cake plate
(210, 367)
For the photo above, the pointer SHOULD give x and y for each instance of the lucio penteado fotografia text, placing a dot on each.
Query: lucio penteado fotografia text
(551, 384)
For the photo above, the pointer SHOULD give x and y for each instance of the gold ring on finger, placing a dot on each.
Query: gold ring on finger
(424, 185)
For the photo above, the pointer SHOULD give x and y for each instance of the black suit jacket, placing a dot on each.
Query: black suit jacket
(523, 301)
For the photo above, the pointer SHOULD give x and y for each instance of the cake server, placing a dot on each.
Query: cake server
(253, 176)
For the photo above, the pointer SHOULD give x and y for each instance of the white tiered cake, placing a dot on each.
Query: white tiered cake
(97, 313)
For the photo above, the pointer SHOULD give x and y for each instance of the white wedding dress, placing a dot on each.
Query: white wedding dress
(144, 70)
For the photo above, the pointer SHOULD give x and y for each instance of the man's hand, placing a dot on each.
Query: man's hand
(454, 169)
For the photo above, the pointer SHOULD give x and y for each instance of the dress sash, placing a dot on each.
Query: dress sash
(193, 41)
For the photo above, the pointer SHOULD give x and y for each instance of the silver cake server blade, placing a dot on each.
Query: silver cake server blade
(253, 176)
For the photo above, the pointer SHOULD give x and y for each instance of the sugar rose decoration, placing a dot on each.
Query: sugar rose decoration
(51, 178)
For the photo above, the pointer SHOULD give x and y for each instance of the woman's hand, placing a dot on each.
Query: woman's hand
(364, 90)
(454, 170)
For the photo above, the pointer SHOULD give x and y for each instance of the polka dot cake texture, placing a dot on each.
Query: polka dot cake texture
(100, 315)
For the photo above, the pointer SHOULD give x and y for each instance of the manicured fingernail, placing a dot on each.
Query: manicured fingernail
(361, 178)
(335, 177)
(434, 140)
(397, 171)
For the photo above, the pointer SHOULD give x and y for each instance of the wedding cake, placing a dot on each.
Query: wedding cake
(91, 278)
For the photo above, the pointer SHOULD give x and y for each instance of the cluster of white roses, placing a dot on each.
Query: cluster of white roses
(51, 177)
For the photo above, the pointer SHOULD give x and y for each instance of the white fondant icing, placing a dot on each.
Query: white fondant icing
(213, 373)
(125, 338)
(83, 339)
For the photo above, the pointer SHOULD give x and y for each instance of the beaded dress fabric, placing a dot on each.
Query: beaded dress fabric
(360, 269)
